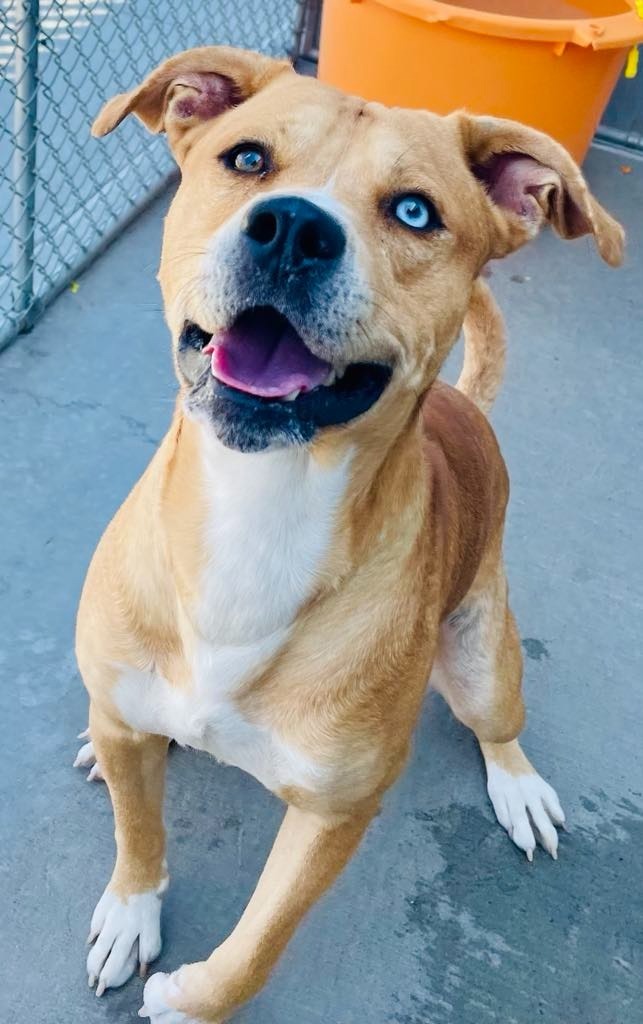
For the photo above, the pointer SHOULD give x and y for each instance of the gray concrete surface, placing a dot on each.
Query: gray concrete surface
(438, 920)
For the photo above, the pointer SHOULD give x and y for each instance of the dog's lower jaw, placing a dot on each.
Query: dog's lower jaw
(243, 433)
(248, 434)
(246, 422)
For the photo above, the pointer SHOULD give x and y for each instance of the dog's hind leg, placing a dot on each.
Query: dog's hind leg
(125, 927)
(86, 758)
(478, 670)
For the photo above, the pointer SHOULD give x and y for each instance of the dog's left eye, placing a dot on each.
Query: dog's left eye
(247, 158)
(415, 212)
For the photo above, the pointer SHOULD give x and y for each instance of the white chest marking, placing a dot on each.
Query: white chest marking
(270, 524)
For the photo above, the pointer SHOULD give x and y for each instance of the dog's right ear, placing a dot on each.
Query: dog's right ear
(190, 88)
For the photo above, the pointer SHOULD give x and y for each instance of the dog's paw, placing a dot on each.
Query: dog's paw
(124, 934)
(86, 758)
(527, 807)
(159, 993)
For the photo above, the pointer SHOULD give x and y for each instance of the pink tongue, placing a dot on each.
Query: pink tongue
(262, 354)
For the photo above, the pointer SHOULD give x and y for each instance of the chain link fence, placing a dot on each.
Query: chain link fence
(63, 195)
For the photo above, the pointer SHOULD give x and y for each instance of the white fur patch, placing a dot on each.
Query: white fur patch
(270, 525)
(156, 993)
(271, 521)
(125, 933)
(522, 803)
(86, 758)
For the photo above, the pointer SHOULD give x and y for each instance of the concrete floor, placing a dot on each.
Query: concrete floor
(438, 920)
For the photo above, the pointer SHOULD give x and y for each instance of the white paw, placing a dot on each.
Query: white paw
(86, 758)
(524, 803)
(124, 934)
(158, 990)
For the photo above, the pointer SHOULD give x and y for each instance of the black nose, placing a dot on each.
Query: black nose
(291, 234)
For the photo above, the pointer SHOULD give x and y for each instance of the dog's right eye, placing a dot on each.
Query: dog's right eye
(247, 158)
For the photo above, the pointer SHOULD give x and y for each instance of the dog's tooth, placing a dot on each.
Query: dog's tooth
(329, 380)
(293, 395)
(340, 373)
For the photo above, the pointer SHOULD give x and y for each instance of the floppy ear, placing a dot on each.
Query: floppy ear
(190, 88)
(530, 179)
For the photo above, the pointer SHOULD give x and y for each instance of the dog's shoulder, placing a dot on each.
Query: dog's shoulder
(468, 483)
(462, 431)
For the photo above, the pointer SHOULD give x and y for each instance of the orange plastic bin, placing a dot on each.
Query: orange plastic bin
(550, 63)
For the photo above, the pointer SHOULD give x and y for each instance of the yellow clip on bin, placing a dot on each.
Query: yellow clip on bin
(553, 67)
(632, 63)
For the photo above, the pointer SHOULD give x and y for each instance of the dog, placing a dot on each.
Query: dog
(321, 528)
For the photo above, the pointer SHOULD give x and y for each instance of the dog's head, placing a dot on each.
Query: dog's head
(320, 252)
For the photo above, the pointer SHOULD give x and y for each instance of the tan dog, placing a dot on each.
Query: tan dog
(322, 525)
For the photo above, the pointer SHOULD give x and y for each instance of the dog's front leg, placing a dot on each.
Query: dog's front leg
(308, 854)
(125, 926)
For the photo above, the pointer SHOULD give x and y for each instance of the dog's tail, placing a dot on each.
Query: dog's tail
(484, 348)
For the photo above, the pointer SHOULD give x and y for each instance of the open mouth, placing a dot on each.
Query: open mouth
(261, 363)
(263, 355)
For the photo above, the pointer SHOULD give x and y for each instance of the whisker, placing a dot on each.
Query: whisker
(185, 254)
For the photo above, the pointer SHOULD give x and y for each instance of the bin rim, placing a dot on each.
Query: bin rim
(606, 32)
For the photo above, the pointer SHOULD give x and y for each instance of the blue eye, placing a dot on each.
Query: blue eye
(247, 158)
(415, 212)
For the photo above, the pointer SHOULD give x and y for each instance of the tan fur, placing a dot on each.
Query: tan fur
(508, 756)
(415, 559)
(484, 348)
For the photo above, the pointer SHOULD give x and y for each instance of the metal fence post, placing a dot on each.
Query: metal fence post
(307, 29)
(24, 157)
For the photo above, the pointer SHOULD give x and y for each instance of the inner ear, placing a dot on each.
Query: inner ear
(200, 96)
(524, 186)
(507, 180)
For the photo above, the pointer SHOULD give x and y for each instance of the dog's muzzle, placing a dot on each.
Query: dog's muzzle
(278, 373)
